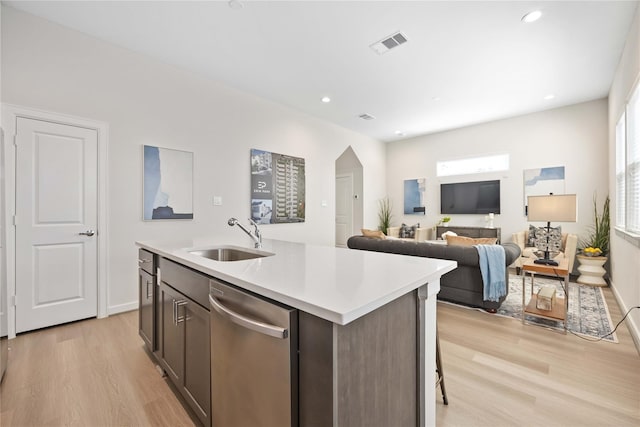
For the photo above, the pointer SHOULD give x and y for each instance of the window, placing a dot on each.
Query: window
(621, 143)
(493, 163)
(628, 167)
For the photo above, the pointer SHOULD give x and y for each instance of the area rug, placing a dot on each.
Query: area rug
(588, 311)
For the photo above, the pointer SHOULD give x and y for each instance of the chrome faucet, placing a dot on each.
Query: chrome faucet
(256, 236)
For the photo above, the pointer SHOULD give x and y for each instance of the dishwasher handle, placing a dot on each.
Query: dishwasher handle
(254, 325)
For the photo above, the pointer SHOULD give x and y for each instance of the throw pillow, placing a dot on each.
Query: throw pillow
(375, 234)
(404, 231)
(531, 236)
(469, 241)
(408, 232)
(447, 233)
(554, 239)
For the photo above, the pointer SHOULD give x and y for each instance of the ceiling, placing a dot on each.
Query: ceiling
(463, 63)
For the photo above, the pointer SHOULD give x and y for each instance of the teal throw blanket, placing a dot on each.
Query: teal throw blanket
(492, 266)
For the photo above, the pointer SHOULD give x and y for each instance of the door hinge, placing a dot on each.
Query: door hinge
(14, 298)
(15, 220)
(15, 139)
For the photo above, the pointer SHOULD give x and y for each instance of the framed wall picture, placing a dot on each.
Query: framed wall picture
(543, 181)
(277, 188)
(167, 184)
(414, 196)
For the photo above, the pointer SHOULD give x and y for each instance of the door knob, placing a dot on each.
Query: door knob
(87, 233)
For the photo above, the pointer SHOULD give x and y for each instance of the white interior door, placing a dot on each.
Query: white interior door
(344, 209)
(56, 223)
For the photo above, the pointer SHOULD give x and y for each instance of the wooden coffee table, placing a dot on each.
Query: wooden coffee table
(561, 306)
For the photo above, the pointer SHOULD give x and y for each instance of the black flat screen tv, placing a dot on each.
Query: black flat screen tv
(479, 197)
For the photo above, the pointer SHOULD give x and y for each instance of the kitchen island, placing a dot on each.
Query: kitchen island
(363, 331)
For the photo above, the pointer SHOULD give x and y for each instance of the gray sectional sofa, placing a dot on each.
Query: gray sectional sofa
(464, 284)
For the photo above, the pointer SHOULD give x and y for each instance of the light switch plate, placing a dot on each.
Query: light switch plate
(217, 201)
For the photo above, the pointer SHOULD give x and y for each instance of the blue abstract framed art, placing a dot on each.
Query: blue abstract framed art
(168, 184)
(414, 196)
(542, 181)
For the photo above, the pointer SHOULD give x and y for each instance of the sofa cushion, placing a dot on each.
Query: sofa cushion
(376, 234)
(469, 241)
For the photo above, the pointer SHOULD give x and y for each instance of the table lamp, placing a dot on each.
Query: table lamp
(551, 208)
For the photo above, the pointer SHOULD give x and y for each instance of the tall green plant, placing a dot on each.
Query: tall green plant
(384, 214)
(599, 235)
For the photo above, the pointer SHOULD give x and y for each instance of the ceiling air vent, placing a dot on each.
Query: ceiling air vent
(388, 43)
(366, 116)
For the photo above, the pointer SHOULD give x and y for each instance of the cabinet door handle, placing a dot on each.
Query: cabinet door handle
(175, 310)
(176, 306)
(143, 260)
(149, 295)
(254, 325)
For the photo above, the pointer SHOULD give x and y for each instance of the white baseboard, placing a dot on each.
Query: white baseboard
(121, 308)
(633, 328)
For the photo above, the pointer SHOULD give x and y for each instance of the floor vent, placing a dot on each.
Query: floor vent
(388, 43)
(366, 116)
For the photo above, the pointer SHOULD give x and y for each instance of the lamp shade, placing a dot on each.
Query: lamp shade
(553, 208)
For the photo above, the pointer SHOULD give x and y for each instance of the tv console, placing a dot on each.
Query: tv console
(474, 232)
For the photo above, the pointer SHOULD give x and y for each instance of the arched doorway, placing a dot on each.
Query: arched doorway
(349, 204)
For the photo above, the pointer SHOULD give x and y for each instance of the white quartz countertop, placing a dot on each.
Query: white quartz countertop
(336, 284)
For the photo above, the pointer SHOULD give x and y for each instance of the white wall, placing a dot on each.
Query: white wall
(574, 137)
(3, 279)
(144, 101)
(625, 262)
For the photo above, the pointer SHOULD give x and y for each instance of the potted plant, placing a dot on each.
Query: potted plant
(384, 214)
(595, 248)
(445, 221)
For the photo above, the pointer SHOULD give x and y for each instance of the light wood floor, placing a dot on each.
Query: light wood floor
(497, 372)
(88, 373)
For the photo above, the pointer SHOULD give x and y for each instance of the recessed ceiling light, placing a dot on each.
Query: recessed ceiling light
(436, 98)
(550, 96)
(399, 133)
(531, 16)
(326, 99)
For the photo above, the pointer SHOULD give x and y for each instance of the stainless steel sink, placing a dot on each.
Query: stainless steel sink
(230, 253)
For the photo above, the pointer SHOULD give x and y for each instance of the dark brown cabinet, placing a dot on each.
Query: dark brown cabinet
(184, 349)
(475, 232)
(146, 296)
(172, 339)
(197, 360)
(369, 372)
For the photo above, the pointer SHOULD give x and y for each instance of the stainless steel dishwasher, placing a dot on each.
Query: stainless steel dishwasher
(253, 360)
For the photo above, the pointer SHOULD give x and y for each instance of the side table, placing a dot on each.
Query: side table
(561, 306)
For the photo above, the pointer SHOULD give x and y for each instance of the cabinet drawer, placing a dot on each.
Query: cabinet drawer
(192, 284)
(146, 261)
